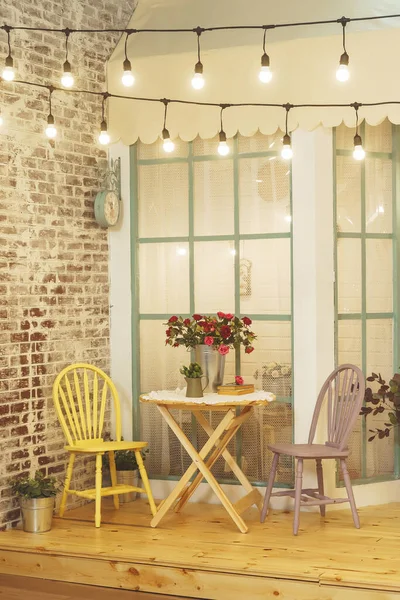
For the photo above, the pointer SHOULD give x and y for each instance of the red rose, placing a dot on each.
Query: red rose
(168, 331)
(202, 324)
(173, 319)
(197, 317)
(249, 349)
(186, 322)
(176, 345)
(229, 316)
(239, 380)
(225, 331)
(221, 315)
(247, 321)
(207, 327)
(223, 349)
(208, 340)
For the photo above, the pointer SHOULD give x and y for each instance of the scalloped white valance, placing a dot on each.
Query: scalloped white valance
(304, 72)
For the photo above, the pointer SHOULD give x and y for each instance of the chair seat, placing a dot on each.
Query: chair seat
(308, 450)
(97, 446)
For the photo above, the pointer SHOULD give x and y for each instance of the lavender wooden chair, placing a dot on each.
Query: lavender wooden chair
(344, 390)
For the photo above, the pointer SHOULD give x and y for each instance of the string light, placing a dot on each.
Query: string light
(8, 71)
(127, 77)
(67, 79)
(198, 79)
(287, 152)
(104, 137)
(168, 144)
(343, 74)
(265, 74)
(50, 130)
(223, 148)
(358, 152)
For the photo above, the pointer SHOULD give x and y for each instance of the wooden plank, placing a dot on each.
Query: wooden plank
(247, 501)
(191, 583)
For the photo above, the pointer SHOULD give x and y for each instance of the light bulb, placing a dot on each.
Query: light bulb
(127, 78)
(67, 79)
(1, 121)
(286, 152)
(198, 79)
(50, 130)
(358, 152)
(343, 73)
(104, 138)
(223, 149)
(8, 71)
(168, 144)
(265, 74)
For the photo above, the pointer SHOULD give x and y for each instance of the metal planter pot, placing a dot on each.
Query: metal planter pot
(127, 478)
(37, 514)
(213, 365)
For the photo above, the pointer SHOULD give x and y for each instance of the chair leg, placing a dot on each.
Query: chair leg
(113, 473)
(67, 484)
(98, 490)
(270, 485)
(350, 495)
(145, 480)
(297, 495)
(320, 479)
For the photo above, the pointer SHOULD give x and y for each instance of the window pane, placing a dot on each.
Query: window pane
(378, 195)
(156, 151)
(163, 200)
(348, 194)
(349, 275)
(204, 147)
(378, 138)
(214, 277)
(264, 195)
(267, 289)
(345, 137)
(379, 257)
(260, 142)
(349, 342)
(164, 278)
(213, 197)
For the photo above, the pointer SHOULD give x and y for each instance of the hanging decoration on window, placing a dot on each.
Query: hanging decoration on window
(245, 277)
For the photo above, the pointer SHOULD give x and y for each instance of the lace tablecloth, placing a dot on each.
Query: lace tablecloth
(178, 396)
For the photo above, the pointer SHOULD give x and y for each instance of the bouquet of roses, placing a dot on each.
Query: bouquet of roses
(222, 332)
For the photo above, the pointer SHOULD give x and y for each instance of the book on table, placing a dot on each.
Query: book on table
(232, 389)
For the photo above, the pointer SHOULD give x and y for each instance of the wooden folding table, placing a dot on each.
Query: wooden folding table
(238, 409)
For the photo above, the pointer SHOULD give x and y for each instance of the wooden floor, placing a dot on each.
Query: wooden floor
(200, 554)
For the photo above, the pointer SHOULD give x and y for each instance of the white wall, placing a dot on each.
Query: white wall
(313, 310)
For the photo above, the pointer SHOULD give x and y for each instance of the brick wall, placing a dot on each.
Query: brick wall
(54, 303)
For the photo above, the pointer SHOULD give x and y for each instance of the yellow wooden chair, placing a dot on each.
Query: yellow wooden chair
(81, 407)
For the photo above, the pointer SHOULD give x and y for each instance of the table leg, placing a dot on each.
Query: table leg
(221, 449)
(198, 463)
(176, 492)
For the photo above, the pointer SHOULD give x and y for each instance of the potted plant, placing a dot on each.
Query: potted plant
(385, 400)
(193, 374)
(276, 378)
(127, 471)
(36, 498)
(211, 337)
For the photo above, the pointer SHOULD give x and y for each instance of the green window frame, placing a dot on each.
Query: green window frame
(365, 316)
(191, 238)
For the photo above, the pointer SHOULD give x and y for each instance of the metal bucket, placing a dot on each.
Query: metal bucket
(128, 478)
(37, 514)
(213, 365)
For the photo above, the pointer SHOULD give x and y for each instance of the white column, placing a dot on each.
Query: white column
(313, 276)
(120, 295)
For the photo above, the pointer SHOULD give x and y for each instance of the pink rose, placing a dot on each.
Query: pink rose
(239, 380)
(223, 349)
(249, 349)
(209, 340)
(229, 316)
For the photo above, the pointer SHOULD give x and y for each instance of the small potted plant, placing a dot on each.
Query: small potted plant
(193, 374)
(127, 471)
(36, 498)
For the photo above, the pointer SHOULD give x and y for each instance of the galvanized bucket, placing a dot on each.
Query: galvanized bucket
(37, 514)
(213, 365)
(128, 478)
